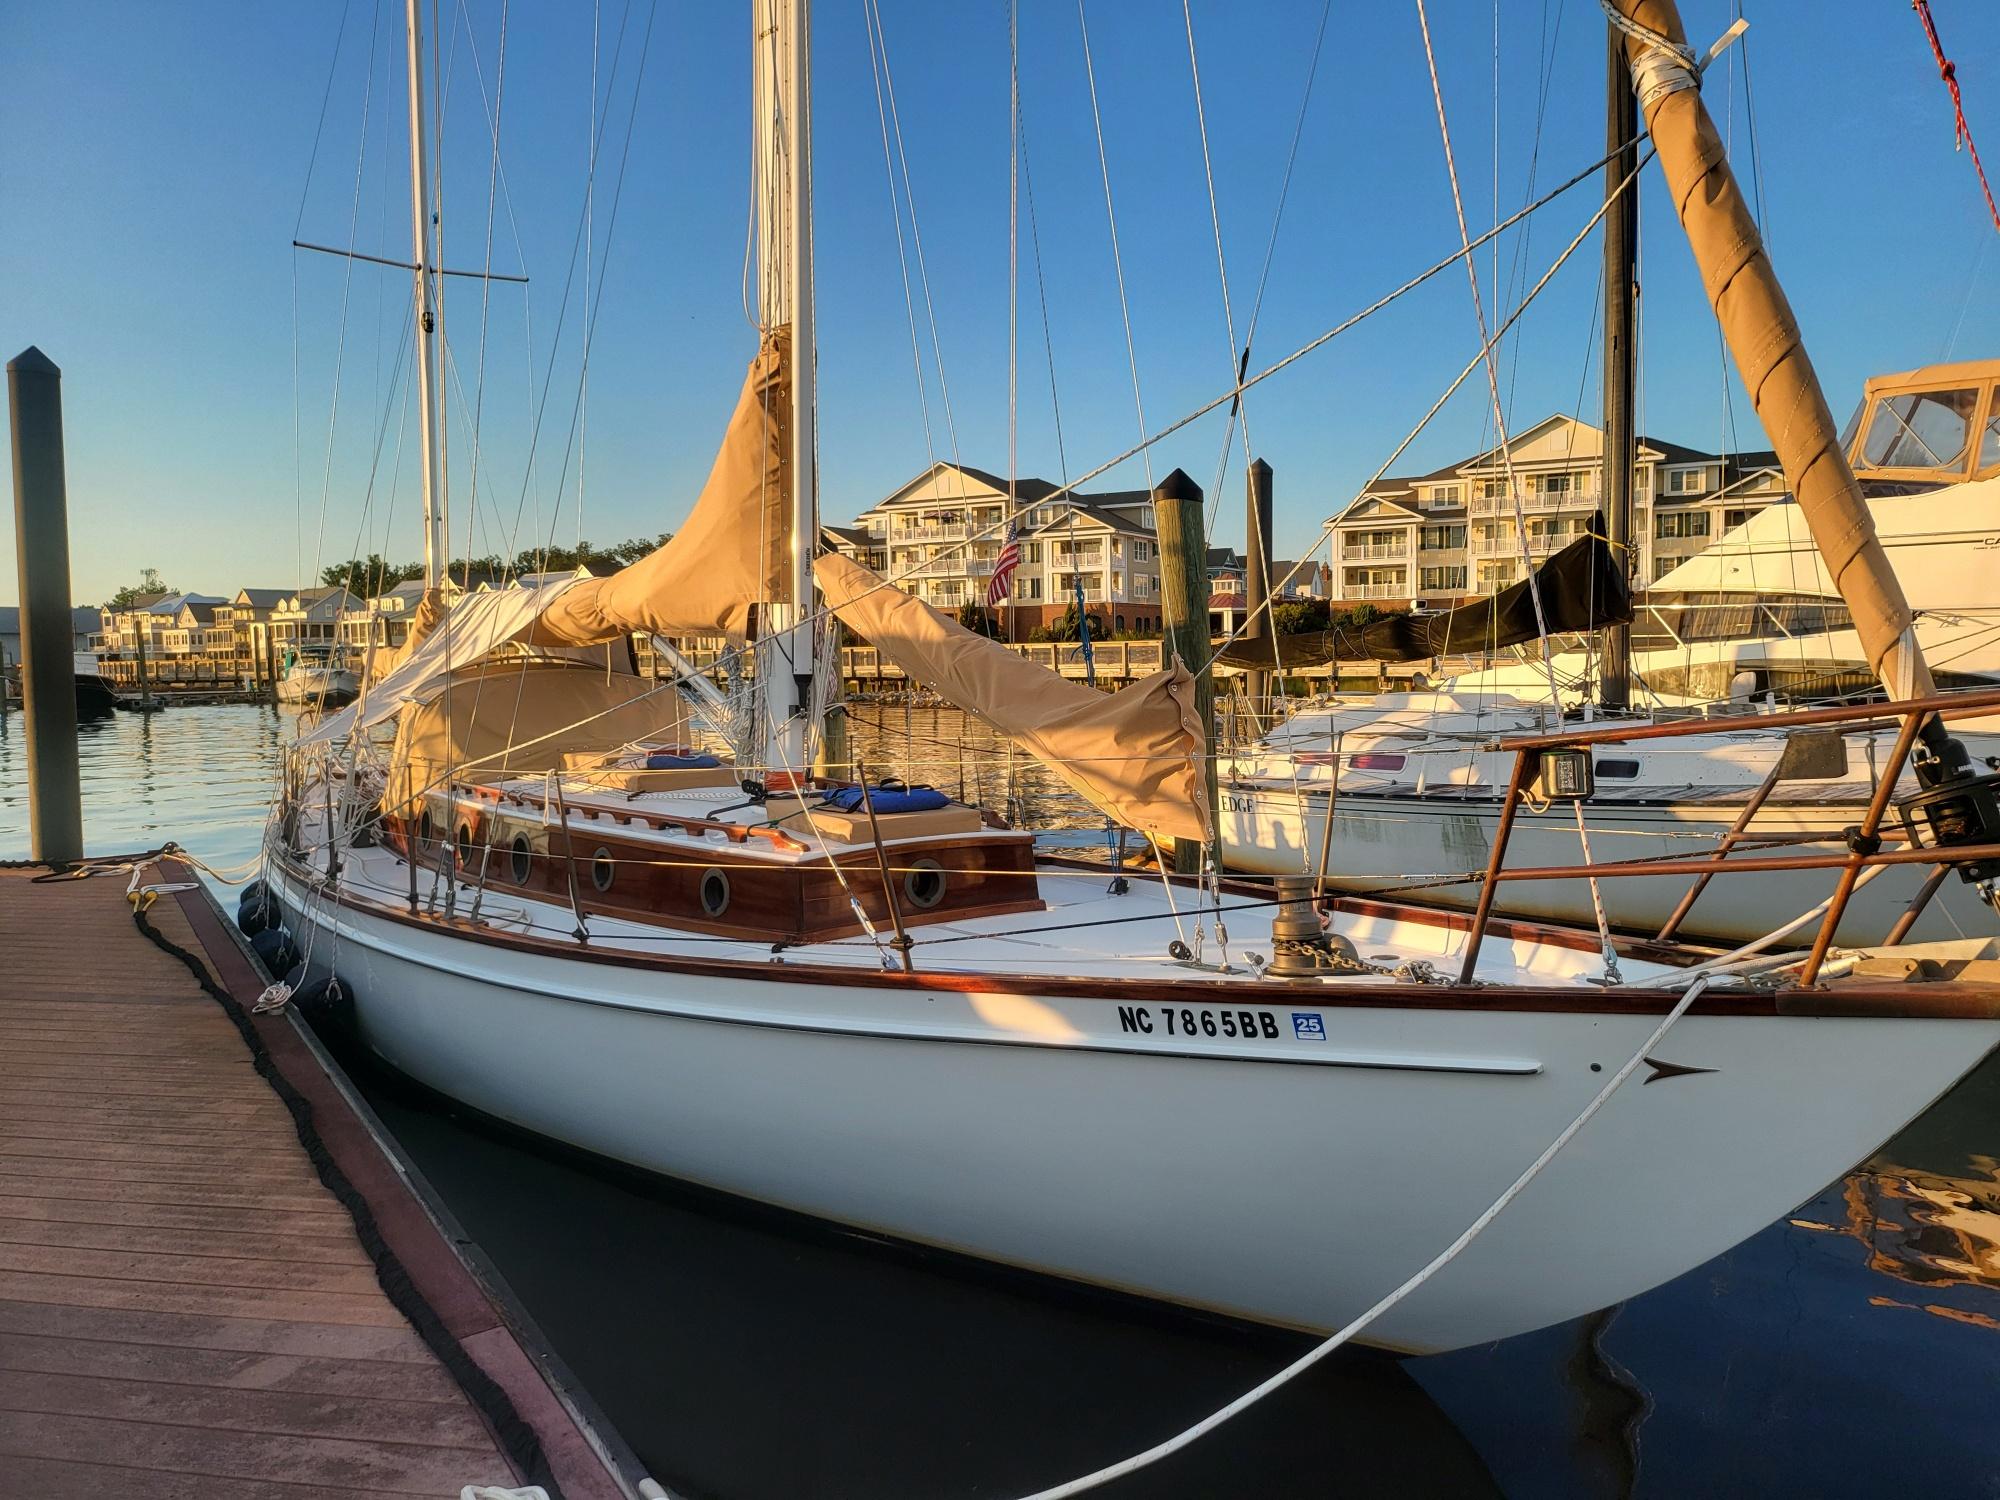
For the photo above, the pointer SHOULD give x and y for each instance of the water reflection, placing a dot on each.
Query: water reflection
(748, 1356)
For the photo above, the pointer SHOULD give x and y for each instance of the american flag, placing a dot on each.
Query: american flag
(1004, 566)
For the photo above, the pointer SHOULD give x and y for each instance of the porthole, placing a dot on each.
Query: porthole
(714, 892)
(924, 885)
(601, 869)
(465, 845)
(425, 831)
(524, 859)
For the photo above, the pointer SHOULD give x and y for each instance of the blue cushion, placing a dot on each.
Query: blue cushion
(887, 799)
(661, 761)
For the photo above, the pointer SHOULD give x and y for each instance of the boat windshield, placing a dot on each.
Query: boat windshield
(1921, 430)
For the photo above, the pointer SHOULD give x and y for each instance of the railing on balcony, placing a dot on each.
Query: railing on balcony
(959, 566)
(1370, 550)
(1375, 591)
(943, 531)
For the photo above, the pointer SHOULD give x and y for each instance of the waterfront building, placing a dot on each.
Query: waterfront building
(940, 534)
(83, 630)
(310, 618)
(248, 616)
(1434, 540)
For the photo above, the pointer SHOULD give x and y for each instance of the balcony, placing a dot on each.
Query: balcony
(1082, 557)
(1374, 591)
(1367, 552)
(950, 567)
(944, 531)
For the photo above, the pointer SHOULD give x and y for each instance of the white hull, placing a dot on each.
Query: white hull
(1384, 842)
(1283, 1179)
(318, 685)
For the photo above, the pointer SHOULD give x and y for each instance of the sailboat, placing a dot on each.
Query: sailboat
(1403, 792)
(885, 1009)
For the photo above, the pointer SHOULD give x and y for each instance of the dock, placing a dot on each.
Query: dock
(215, 1280)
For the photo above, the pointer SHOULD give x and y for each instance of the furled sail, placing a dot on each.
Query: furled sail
(1764, 337)
(1135, 754)
(732, 551)
(1582, 586)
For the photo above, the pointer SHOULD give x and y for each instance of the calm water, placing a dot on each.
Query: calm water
(1853, 1348)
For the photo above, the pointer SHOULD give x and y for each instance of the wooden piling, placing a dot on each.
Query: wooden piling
(48, 634)
(1184, 607)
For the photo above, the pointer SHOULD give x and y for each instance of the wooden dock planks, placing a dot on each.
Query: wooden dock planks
(185, 1310)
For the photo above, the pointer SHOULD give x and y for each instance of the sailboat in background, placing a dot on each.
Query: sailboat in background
(866, 1003)
(1403, 793)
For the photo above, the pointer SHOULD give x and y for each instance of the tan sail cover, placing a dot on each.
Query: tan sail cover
(1769, 351)
(425, 618)
(1135, 754)
(519, 719)
(732, 551)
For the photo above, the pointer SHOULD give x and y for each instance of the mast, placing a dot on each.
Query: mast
(435, 555)
(781, 95)
(1621, 445)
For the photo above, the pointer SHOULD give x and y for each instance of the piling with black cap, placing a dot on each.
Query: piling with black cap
(1184, 602)
(1257, 570)
(48, 632)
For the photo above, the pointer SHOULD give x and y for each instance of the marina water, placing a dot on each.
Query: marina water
(1851, 1348)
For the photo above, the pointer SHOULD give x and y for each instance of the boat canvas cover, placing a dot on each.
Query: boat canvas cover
(1583, 588)
(475, 627)
(519, 718)
(730, 554)
(1135, 754)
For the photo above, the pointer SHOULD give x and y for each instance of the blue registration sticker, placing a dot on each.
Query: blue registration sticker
(1308, 1027)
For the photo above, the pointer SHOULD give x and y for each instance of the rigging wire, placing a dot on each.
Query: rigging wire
(888, 82)
(1492, 369)
(902, 255)
(1111, 219)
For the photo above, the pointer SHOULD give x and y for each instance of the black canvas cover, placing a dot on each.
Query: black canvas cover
(1583, 588)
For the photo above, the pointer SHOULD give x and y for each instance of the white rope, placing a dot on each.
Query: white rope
(1437, 1263)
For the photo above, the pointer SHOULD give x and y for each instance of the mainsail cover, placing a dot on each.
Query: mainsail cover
(729, 555)
(1582, 586)
(1764, 337)
(1134, 754)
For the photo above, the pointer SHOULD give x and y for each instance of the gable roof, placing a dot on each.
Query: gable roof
(260, 598)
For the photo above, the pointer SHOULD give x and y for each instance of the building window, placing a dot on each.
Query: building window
(1027, 588)
(1434, 538)
(1662, 566)
(1493, 489)
(1687, 482)
(1554, 484)
(1441, 580)
(1681, 523)
(1445, 494)
(1495, 575)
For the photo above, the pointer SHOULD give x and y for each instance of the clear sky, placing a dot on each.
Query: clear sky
(234, 408)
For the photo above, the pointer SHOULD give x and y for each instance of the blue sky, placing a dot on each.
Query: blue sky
(154, 167)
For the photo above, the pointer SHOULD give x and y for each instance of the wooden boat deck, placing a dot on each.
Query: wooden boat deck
(186, 1309)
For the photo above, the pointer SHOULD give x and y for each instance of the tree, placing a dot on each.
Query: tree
(1300, 616)
(370, 575)
(979, 620)
(149, 583)
(1070, 626)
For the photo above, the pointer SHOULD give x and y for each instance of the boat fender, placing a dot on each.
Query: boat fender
(327, 1003)
(273, 945)
(889, 797)
(257, 910)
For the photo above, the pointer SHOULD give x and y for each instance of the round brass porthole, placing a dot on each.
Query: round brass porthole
(601, 869)
(924, 885)
(714, 892)
(523, 860)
